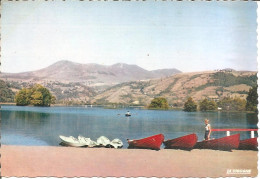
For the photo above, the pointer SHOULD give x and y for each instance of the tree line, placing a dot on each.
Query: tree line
(227, 103)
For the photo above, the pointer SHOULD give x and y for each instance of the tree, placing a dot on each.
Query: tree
(212, 105)
(21, 98)
(232, 104)
(190, 105)
(37, 99)
(251, 100)
(36, 95)
(53, 99)
(159, 103)
(6, 94)
(239, 104)
(45, 96)
(206, 105)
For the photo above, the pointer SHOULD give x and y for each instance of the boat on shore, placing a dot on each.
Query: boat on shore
(224, 143)
(152, 142)
(87, 141)
(81, 141)
(116, 143)
(71, 141)
(248, 144)
(103, 141)
(186, 142)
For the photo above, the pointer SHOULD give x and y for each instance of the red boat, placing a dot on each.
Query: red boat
(186, 142)
(224, 143)
(153, 142)
(248, 144)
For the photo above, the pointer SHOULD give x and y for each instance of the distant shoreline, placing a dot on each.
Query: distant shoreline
(126, 106)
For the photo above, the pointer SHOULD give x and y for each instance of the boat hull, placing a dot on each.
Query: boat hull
(224, 143)
(186, 142)
(152, 142)
(71, 141)
(248, 144)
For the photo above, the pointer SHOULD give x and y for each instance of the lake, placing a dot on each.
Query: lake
(41, 126)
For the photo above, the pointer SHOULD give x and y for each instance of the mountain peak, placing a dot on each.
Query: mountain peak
(120, 65)
(63, 62)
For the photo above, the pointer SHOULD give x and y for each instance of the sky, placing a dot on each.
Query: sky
(188, 36)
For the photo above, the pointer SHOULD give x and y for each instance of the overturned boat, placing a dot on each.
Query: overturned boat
(248, 144)
(152, 142)
(103, 141)
(87, 141)
(71, 141)
(186, 142)
(224, 143)
(116, 143)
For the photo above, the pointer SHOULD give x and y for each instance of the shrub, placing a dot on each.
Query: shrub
(190, 105)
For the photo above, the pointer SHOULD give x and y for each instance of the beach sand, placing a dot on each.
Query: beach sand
(33, 161)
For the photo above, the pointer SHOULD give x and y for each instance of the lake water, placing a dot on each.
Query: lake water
(43, 125)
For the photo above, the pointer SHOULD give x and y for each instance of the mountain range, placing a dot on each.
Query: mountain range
(74, 83)
(89, 74)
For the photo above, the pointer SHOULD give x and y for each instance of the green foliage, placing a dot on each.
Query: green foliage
(190, 105)
(228, 79)
(6, 94)
(212, 105)
(37, 98)
(232, 104)
(159, 103)
(224, 79)
(22, 97)
(251, 100)
(36, 95)
(206, 105)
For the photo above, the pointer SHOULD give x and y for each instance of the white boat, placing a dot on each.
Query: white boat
(116, 143)
(71, 141)
(127, 114)
(103, 141)
(87, 141)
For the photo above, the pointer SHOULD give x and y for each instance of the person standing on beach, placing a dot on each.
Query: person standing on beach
(207, 130)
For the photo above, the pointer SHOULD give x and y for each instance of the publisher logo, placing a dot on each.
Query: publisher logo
(238, 171)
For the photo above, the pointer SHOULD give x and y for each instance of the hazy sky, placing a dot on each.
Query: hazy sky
(184, 35)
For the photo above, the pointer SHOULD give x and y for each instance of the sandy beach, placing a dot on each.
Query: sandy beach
(33, 161)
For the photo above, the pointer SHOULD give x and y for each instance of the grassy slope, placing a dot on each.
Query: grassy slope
(175, 89)
(180, 86)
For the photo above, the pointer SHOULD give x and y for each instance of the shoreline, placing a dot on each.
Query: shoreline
(105, 106)
(130, 106)
(58, 161)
